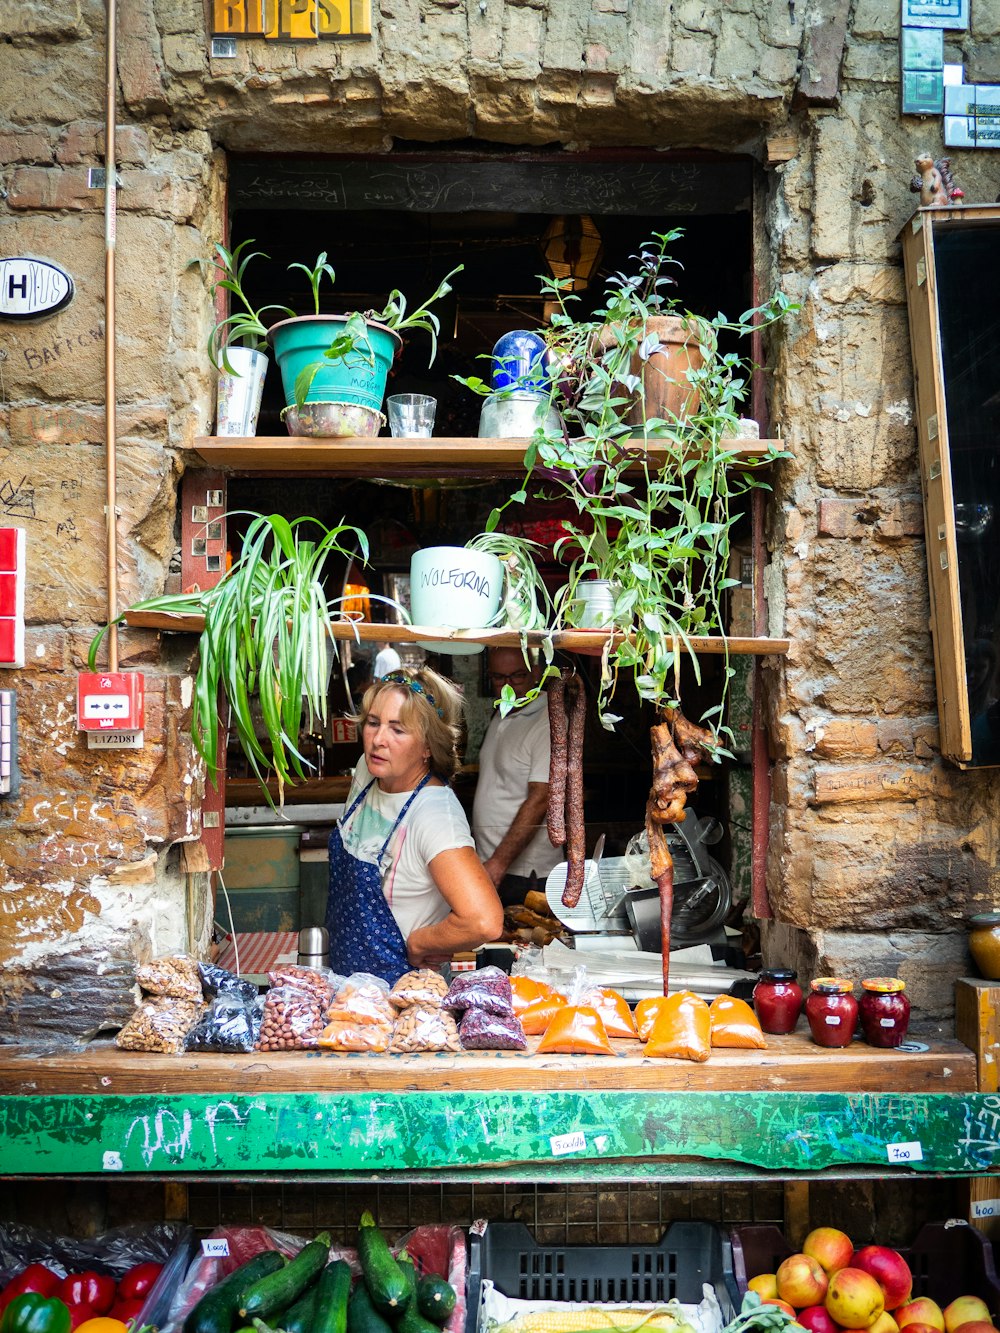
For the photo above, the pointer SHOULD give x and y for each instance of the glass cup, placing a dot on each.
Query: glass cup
(411, 414)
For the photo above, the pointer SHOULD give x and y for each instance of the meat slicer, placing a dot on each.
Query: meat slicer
(620, 899)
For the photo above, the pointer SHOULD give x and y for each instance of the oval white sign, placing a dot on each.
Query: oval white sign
(30, 288)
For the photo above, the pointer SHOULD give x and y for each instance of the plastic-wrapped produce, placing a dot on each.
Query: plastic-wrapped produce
(422, 986)
(160, 1023)
(488, 988)
(230, 1023)
(292, 1021)
(424, 1028)
(480, 1030)
(175, 975)
(217, 981)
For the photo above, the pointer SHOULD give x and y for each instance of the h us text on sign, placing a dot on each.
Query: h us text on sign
(30, 288)
(292, 20)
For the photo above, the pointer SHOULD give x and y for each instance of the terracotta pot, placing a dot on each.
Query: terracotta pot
(667, 391)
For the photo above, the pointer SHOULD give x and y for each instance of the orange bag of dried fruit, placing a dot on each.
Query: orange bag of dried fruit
(537, 1017)
(734, 1023)
(576, 1029)
(525, 991)
(615, 1013)
(682, 1031)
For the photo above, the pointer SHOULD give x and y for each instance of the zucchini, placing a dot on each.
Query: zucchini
(435, 1298)
(362, 1317)
(298, 1318)
(409, 1270)
(388, 1286)
(216, 1311)
(332, 1292)
(281, 1289)
(412, 1321)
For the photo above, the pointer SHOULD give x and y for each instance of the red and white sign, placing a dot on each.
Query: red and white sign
(12, 597)
(110, 700)
(343, 732)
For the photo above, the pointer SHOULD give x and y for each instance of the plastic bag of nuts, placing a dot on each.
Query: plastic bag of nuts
(175, 974)
(323, 984)
(424, 1028)
(421, 986)
(292, 1021)
(362, 999)
(348, 1035)
(160, 1023)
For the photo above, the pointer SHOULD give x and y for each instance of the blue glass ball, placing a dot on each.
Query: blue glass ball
(519, 360)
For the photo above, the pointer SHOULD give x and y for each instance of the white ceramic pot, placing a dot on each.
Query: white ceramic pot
(238, 396)
(455, 587)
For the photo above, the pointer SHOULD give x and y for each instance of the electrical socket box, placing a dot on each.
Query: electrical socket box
(110, 701)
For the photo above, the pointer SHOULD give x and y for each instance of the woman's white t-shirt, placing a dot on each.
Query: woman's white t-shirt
(434, 823)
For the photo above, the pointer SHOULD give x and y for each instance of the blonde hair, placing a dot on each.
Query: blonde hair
(432, 708)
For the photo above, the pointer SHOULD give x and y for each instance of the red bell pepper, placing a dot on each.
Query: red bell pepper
(36, 1277)
(33, 1313)
(79, 1314)
(88, 1288)
(138, 1280)
(127, 1311)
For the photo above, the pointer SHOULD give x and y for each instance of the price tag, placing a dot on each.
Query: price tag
(832, 1020)
(986, 1208)
(565, 1143)
(215, 1249)
(905, 1152)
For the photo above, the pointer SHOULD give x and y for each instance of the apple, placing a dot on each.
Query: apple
(764, 1284)
(976, 1326)
(921, 1311)
(918, 1327)
(965, 1310)
(889, 1269)
(884, 1324)
(831, 1247)
(782, 1305)
(801, 1280)
(854, 1299)
(817, 1319)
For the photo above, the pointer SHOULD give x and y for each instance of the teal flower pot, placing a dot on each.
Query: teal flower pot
(360, 377)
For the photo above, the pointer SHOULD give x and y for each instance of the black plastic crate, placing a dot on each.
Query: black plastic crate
(689, 1255)
(947, 1259)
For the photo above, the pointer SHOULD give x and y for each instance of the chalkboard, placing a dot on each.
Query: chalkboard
(519, 185)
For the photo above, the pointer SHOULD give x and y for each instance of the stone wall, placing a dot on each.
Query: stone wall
(878, 849)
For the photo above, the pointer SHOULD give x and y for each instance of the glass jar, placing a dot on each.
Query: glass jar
(984, 943)
(885, 1011)
(777, 998)
(832, 1011)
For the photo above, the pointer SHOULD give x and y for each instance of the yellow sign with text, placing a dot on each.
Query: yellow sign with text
(292, 20)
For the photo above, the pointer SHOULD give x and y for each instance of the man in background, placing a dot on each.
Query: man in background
(508, 815)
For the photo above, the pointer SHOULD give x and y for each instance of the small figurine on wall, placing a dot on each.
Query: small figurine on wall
(934, 181)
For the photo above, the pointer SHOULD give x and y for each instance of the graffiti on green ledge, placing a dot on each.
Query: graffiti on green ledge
(156, 1134)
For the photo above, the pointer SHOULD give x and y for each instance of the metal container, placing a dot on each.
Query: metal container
(333, 421)
(314, 947)
(516, 415)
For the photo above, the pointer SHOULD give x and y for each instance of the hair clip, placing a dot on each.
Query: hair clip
(401, 678)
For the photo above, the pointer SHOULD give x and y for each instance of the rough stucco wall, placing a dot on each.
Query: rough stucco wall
(847, 580)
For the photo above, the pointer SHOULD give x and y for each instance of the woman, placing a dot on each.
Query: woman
(406, 887)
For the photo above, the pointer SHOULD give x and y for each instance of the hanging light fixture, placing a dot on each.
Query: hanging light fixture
(572, 249)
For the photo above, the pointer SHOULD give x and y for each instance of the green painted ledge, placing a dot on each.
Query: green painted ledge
(385, 1132)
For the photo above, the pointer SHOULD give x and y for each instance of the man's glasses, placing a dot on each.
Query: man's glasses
(510, 677)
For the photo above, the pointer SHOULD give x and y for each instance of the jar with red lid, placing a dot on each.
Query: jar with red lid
(885, 1011)
(832, 1011)
(777, 998)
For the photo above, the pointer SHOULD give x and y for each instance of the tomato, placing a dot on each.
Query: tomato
(102, 1324)
(88, 1288)
(138, 1281)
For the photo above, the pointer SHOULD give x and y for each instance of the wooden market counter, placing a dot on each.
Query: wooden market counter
(793, 1108)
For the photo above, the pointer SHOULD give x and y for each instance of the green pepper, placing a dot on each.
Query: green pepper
(33, 1313)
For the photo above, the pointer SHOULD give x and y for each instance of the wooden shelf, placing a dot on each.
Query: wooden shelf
(571, 641)
(389, 458)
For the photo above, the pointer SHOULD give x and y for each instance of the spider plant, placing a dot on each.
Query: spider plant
(267, 630)
(244, 326)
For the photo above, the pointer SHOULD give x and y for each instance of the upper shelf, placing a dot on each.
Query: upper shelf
(569, 640)
(389, 457)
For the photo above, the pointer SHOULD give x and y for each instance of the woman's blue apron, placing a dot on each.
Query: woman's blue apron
(364, 936)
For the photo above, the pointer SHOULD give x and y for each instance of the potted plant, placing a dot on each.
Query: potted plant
(655, 529)
(266, 636)
(344, 360)
(237, 345)
(490, 581)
